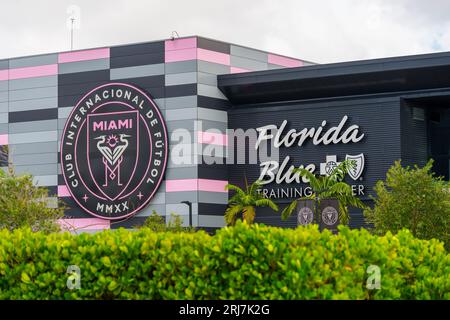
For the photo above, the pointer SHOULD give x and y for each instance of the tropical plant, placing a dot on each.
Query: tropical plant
(157, 223)
(330, 186)
(22, 203)
(244, 202)
(412, 198)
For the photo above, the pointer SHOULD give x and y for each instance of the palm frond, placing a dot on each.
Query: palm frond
(266, 203)
(231, 214)
(235, 188)
(288, 210)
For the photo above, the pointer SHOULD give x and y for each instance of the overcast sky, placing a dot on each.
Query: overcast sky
(316, 30)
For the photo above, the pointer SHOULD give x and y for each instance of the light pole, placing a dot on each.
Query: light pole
(189, 204)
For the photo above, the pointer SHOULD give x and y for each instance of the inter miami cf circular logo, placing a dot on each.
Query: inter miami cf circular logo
(305, 216)
(330, 216)
(114, 151)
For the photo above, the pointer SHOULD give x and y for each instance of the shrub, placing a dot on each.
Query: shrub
(157, 223)
(412, 198)
(241, 262)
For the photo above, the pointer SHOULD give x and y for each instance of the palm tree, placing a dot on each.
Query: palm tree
(244, 202)
(328, 187)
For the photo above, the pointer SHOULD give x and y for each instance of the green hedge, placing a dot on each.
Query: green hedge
(242, 262)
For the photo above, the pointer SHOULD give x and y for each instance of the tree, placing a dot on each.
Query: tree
(412, 198)
(22, 203)
(328, 187)
(158, 223)
(244, 202)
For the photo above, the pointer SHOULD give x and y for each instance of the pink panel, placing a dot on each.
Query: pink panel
(212, 138)
(181, 55)
(195, 185)
(4, 75)
(84, 224)
(83, 55)
(178, 44)
(63, 191)
(30, 72)
(212, 185)
(213, 56)
(284, 61)
(181, 185)
(3, 139)
(238, 70)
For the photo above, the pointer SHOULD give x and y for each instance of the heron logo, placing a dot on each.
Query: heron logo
(114, 151)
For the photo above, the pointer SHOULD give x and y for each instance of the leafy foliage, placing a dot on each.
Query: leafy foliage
(329, 187)
(412, 198)
(241, 262)
(157, 223)
(244, 202)
(22, 203)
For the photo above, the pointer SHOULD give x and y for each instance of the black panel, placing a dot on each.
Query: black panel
(79, 88)
(213, 45)
(181, 90)
(211, 209)
(212, 171)
(83, 77)
(137, 60)
(33, 115)
(213, 103)
(52, 190)
(73, 210)
(136, 49)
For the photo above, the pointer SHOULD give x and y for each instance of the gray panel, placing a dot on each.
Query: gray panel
(275, 66)
(63, 113)
(137, 72)
(4, 117)
(177, 197)
(212, 115)
(4, 86)
(161, 103)
(181, 66)
(248, 64)
(181, 114)
(61, 124)
(212, 150)
(199, 125)
(211, 221)
(180, 124)
(207, 78)
(29, 148)
(181, 173)
(4, 107)
(33, 61)
(213, 197)
(33, 93)
(32, 137)
(159, 208)
(82, 66)
(214, 68)
(204, 125)
(210, 91)
(160, 197)
(33, 126)
(4, 64)
(48, 180)
(48, 81)
(249, 53)
(3, 96)
(33, 104)
(3, 128)
(181, 162)
(181, 209)
(38, 170)
(181, 78)
(181, 102)
(37, 158)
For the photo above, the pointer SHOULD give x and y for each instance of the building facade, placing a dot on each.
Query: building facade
(374, 112)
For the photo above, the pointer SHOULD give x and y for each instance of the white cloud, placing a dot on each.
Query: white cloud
(322, 31)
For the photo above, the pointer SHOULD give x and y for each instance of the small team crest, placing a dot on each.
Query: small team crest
(356, 171)
(305, 216)
(329, 216)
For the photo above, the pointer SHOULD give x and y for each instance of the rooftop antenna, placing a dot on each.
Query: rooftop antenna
(174, 35)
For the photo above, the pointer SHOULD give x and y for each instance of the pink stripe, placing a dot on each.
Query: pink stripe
(238, 70)
(195, 185)
(178, 44)
(212, 138)
(212, 56)
(284, 61)
(84, 224)
(181, 55)
(63, 191)
(30, 72)
(3, 139)
(4, 75)
(83, 55)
